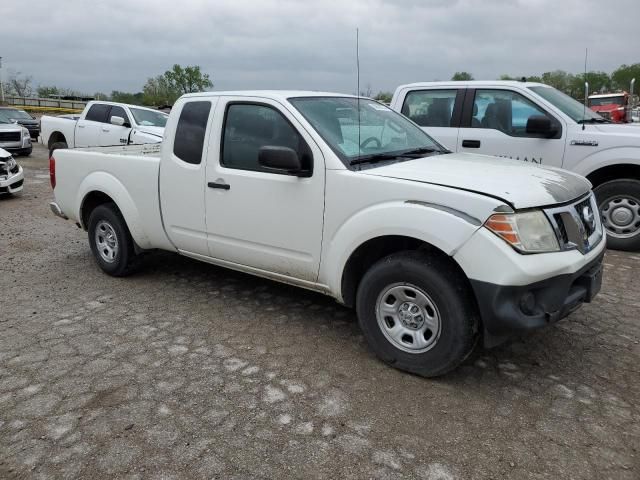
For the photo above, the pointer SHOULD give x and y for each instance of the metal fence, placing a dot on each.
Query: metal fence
(45, 103)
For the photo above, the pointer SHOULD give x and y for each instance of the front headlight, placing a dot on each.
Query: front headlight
(10, 163)
(528, 232)
(25, 132)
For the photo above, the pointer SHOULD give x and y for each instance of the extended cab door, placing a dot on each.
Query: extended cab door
(436, 110)
(256, 217)
(88, 129)
(182, 174)
(111, 134)
(494, 122)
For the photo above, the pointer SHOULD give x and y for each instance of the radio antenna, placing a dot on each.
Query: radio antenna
(586, 90)
(358, 83)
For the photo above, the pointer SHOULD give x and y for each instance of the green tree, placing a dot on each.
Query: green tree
(462, 76)
(558, 79)
(126, 97)
(384, 97)
(504, 76)
(188, 79)
(158, 91)
(621, 77)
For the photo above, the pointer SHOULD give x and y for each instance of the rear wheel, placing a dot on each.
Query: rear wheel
(110, 241)
(417, 313)
(619, 205)
(56, 146)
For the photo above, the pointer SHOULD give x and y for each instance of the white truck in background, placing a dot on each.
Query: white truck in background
(346, 197)
(536, 123)
(104, 124)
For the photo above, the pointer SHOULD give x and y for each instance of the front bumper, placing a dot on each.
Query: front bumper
(509, 310)
(13, 182)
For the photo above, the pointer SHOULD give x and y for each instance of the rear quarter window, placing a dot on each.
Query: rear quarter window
(192, 125)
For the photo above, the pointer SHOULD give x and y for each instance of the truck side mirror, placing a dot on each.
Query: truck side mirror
(119, 121)
(540, 125)
(280, 159)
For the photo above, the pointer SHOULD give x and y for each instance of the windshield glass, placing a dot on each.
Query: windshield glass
(566, 104)
(149, 118)
(596, 102)
(13, 114)
(382, 131)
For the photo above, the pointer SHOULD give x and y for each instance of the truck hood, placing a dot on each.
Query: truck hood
(4, 153)
(10, 127)
(157, 131)
(618, 129)
(517, 183)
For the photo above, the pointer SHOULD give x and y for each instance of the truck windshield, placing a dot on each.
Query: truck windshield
(567, 105)
(13, 114)
(149, 118)
(382, 134)
(598, 101)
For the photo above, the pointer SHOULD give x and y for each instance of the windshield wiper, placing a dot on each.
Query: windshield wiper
(594, 120)
(423, 150)
(376, 157)
(379, 157)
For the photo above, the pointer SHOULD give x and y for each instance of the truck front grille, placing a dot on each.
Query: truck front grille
(10, 136)
(577, 225)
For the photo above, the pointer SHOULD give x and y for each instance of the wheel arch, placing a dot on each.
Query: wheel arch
(617, 171)
(56, 137)
(374, 249)
(99, 188)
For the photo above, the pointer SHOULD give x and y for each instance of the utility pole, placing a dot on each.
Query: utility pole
(1, 84)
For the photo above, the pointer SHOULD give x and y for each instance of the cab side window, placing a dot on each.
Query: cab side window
(98, 113)
(249, 127)
(505, 111)
(192, 125)
(430, 108)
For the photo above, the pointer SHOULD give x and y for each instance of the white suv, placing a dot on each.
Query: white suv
(536, 123)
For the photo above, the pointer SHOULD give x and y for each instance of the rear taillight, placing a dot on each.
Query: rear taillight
(52, 171)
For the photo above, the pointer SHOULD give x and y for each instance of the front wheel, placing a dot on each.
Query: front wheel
(417, 313)
(619, 205)
(110, 241)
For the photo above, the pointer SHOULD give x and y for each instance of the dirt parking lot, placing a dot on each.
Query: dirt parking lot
(186, 370)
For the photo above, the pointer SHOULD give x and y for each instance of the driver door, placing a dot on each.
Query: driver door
(266, 220)
(497, 126)
(115, 134)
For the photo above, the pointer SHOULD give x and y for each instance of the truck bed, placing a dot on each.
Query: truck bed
(127, 174)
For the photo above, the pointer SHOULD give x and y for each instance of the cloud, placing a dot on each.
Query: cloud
(118, 44)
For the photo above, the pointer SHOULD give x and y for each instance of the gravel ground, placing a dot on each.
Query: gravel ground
(186, 370)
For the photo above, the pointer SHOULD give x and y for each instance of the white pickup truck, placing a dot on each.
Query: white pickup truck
(536, 123)
(434, 250)
(104, 124)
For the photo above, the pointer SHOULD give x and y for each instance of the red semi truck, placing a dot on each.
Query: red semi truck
(612, 106)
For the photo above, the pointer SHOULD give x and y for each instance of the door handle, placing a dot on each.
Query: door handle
(222, 186)
(80, 126)
(471, 143)
(106, 130)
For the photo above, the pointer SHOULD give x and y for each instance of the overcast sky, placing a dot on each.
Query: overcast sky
(117, 44)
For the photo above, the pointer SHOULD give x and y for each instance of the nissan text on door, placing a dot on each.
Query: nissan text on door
(538, 124)
(344, 196)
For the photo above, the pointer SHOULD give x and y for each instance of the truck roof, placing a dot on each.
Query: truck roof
(271, 94)
(607, 95)
(474, 83)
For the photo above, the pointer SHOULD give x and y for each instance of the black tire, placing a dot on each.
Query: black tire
(56, 146)
(124, 261)
(26, 152)
(449, 292)
(607, 193)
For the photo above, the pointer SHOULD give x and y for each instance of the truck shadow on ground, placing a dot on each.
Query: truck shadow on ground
(540, 353)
